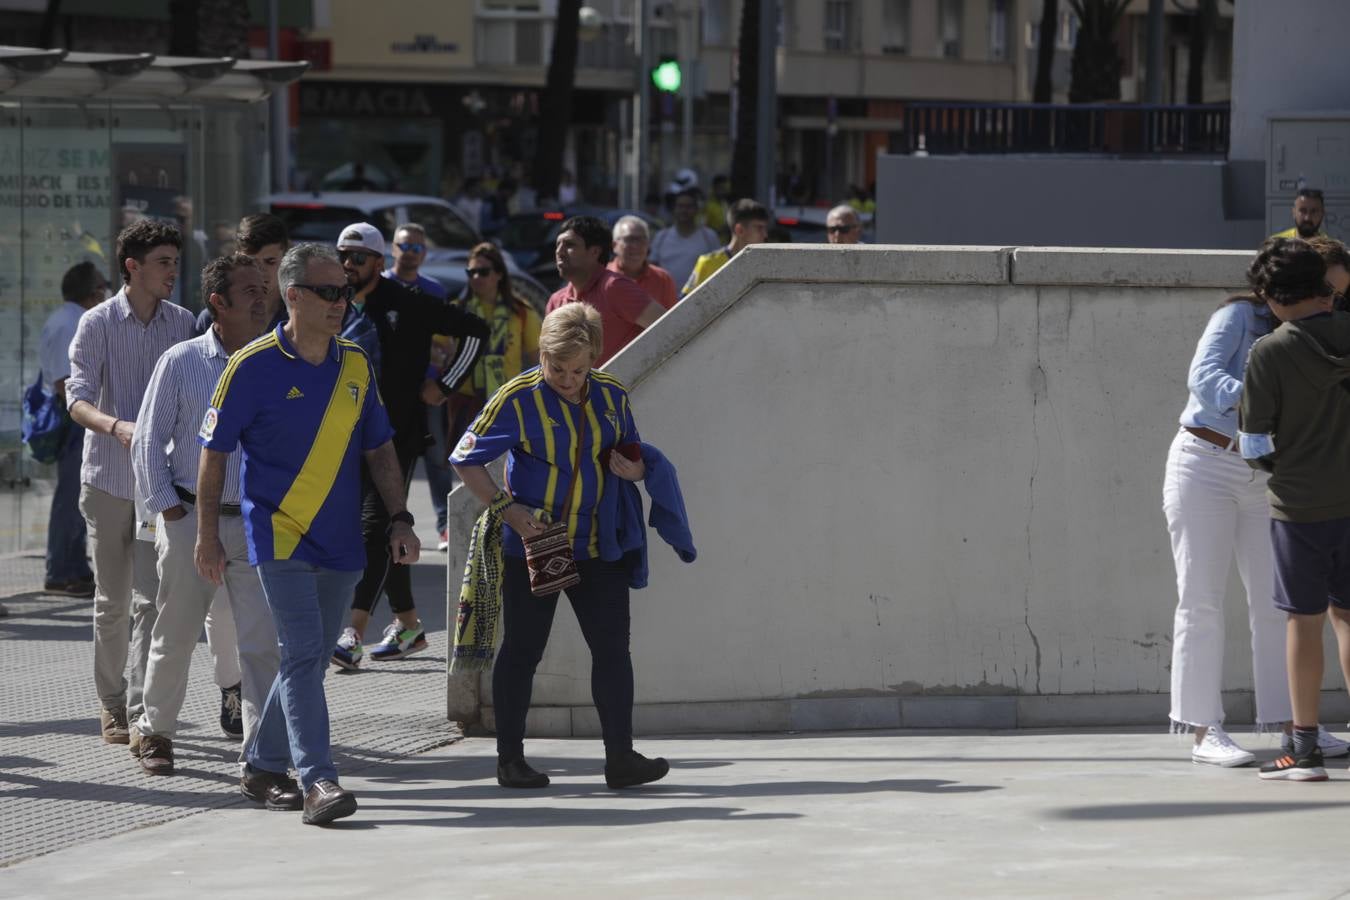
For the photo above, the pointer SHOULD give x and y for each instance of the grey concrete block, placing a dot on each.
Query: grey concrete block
(462, 697)
(540, 722)
(958, 712)
(1092, 709)
(842, 713)
(1151, 268)
(714, 716)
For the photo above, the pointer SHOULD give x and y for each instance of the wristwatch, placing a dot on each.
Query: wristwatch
(405, 517)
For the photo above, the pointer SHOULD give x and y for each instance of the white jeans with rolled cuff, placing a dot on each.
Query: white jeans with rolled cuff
(1217, 510)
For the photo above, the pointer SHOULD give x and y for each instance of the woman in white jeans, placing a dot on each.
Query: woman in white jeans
(1216, 509)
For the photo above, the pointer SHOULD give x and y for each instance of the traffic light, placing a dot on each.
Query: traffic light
(666, 75)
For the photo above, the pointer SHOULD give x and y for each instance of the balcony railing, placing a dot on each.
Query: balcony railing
(1115, 129)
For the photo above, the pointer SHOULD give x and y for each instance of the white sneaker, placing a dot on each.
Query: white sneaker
(1330, 745)
(1218, 749)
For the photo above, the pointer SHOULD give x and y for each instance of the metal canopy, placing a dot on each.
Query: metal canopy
(35, 72)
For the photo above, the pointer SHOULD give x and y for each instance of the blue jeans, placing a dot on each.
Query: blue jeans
(67, 553)
(308, 605)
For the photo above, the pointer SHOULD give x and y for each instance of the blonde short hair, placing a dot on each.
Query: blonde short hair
(573, 329)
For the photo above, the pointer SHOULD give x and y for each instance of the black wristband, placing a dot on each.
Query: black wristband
(405, 517)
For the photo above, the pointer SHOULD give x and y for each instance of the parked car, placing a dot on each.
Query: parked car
(529, 237)
(322, 216)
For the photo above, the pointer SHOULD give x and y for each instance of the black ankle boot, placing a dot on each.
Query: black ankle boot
(517, 773)
(631, 768)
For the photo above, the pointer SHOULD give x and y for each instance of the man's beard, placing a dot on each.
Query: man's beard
(359, 283)
(1307, 231)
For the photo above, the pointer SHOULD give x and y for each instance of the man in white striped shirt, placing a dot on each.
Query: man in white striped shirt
(115, 348)
(164, 457)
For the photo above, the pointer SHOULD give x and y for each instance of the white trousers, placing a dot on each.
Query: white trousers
(183, 601)
(223, 641)
(1216, 510)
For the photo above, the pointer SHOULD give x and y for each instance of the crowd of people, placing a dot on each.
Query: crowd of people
(246, 472)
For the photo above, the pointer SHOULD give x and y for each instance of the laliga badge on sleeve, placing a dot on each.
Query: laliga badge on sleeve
(208, 424)
(466, 444)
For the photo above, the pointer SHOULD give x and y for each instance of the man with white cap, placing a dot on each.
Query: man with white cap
(403, 322)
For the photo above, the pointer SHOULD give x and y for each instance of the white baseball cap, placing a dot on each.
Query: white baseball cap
(361, 236)
(684, 179)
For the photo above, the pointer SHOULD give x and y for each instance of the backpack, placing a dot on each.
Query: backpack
(45, 422)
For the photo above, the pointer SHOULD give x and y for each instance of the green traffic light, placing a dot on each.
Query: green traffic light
(667, 77)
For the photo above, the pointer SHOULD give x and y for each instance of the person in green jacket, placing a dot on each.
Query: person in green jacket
(1294, 422)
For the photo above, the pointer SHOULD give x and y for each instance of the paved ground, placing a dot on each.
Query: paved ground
(60, 786)
(844, 815)
(863, 814)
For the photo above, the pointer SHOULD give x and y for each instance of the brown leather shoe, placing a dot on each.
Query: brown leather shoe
(156, 754)
(325, 802)
(113, 723)
(273, 791)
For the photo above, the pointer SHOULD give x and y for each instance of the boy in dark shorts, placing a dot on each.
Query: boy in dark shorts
(1294, 422)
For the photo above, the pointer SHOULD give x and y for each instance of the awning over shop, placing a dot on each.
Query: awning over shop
(34, 72)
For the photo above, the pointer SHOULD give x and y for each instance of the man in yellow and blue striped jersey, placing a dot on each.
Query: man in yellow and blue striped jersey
(304, 405)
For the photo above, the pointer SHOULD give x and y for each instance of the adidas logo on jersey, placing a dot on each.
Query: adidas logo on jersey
(294, 394)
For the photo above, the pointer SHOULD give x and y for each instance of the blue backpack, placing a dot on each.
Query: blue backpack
(46, 423)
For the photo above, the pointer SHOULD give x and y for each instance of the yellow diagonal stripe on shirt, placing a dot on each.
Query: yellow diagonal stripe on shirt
(315, 481)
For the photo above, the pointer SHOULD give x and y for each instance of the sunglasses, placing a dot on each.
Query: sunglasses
(479, 271)
(358, 257)
(840, 229)
(410, 248)
(331, 293)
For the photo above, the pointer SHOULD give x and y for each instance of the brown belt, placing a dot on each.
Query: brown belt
(1218, 439)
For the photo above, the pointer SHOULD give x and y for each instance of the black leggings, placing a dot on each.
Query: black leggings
(600, 602)
(381, 574)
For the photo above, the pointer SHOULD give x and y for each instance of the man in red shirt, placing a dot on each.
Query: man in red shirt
(632, 241)
(581, 251)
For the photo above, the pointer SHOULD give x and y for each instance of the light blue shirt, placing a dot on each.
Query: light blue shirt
(54, 344)
(1215, 379)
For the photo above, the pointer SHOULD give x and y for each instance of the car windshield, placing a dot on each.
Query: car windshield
(323, 223)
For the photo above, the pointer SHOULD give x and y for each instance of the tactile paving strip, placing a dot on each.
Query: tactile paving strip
(60, 785)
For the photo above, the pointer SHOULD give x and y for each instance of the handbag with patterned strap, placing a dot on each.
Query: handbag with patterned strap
(548, 555)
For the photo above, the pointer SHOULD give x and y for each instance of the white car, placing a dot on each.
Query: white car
(322, 216)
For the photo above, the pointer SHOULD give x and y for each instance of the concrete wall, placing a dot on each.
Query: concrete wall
(1055, 201)
(1288, 55)
(925, 484)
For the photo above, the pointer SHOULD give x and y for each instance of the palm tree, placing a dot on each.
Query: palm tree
(556, 109)
(1096, 64)
(747, 93)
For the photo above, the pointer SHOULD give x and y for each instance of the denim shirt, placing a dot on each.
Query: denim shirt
(1215, 379)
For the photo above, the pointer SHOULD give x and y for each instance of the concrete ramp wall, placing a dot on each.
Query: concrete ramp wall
(925, 485)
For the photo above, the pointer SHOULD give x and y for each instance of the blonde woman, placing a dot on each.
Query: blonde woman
(558, 424)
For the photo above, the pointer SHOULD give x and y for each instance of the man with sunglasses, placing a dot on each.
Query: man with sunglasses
(842, 225)
(404, 323)
(410, 251)
(303, 405)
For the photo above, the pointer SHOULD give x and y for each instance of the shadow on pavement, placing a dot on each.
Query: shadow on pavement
(1139, 811)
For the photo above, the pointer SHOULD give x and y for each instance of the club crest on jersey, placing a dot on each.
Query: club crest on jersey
(355, 390)
(392, 318)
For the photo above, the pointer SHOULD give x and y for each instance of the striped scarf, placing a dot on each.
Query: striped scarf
(480, 594)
